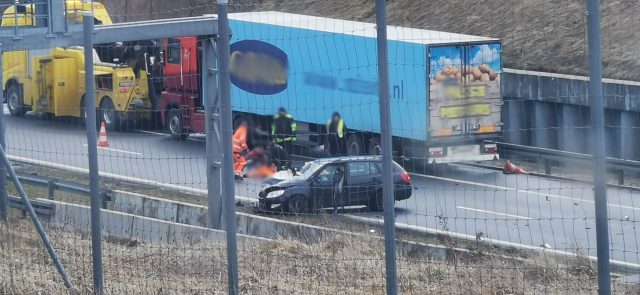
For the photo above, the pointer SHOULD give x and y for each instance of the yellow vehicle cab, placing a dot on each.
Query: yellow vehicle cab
(52, 80)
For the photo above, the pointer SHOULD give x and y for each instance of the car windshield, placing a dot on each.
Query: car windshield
(308, 169)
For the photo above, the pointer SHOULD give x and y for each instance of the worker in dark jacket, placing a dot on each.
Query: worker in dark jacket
(336, 141)
(283, 129)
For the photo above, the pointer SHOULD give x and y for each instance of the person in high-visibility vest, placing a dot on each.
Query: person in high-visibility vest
(336, 140)
(240, 148)
(283, 128)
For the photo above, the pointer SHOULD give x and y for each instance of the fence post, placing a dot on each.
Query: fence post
(4, 200)
(597, 119)
(94, 178)
(213, 141)
(226, 123)
(385, 137)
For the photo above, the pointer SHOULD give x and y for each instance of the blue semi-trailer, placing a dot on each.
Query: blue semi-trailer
(445, 87)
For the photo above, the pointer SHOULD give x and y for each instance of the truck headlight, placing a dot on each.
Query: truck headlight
(275, 194)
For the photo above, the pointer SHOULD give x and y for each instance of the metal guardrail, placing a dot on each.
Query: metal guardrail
(52, 185)
(618, 166)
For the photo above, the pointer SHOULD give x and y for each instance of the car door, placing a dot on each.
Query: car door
(324, 184)
(361, 183)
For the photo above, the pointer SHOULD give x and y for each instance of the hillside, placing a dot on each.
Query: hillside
(538, 35)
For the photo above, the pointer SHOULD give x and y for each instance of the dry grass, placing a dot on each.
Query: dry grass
(336, 266)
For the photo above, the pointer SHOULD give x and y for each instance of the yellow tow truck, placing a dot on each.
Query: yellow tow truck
(52, 80)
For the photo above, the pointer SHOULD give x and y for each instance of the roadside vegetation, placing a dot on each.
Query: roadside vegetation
(338, 265)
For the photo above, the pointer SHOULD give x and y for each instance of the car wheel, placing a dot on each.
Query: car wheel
(376, 204)
(375, 146)
(355, 145)
(15, 101)
(109, 115)
(175, 125)
(297, 205)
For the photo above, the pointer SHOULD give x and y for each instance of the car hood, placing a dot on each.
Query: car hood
(290, 182)
(279, 177)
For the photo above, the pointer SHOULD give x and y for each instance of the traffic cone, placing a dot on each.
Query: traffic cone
(510, 168)
(521, 171)
(102, 142)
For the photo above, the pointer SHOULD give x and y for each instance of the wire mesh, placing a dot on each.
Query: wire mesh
(463, 76)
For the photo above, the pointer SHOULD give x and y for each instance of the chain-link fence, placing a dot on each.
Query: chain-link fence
(491, 140)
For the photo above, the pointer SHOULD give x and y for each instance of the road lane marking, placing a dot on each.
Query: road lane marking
(195, 139)
(117, 150)
(517, 190)
(151, 132)
(494, 213)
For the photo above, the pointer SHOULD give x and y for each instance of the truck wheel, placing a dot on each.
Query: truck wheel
(375, 146)
(355, 145)
(83, 113)
(108, 115)
(175, 125)
(15, 101)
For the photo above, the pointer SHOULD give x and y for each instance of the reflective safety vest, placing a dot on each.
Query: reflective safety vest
(283, 128)
(240, 140)
(339, 128)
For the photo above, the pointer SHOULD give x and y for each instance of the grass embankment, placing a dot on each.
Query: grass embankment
(338, 265)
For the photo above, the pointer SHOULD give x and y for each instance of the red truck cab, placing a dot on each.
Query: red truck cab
(181, 104)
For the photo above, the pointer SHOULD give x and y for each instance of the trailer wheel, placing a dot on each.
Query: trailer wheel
(355, 145)
(15, 100)
(375, 146)
(108, 115)
(175, 125)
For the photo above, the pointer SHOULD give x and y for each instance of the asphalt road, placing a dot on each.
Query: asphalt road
(527, 210)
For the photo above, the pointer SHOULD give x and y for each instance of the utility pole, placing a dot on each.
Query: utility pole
(600, 173)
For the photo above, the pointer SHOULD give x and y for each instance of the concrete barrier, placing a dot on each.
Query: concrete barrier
(562, 256)
(196, 215)
(138, 228)
(271, 228)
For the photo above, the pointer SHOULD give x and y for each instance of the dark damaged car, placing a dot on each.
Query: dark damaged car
(334, 183)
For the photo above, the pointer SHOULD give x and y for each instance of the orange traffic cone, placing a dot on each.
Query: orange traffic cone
(102, 142)
(510, 168)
